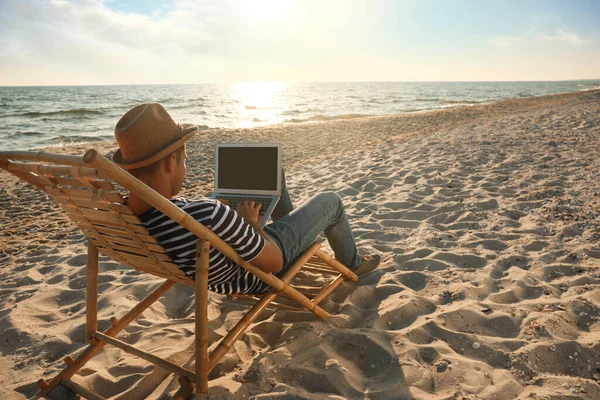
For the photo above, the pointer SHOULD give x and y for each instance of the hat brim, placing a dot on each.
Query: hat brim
(188, 130)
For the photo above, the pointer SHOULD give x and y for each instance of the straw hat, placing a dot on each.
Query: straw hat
(147, 133)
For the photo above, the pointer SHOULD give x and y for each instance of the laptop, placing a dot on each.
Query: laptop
(249, 172)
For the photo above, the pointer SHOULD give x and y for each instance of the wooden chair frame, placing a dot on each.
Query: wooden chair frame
(141, 252)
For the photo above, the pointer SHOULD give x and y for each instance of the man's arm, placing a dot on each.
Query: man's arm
(270, 259)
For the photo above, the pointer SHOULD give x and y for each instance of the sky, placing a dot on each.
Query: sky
(105, 42)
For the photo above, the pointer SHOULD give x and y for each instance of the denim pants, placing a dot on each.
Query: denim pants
(295, 230)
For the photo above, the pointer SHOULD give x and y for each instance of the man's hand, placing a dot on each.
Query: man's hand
(270, 259)
(249, 210)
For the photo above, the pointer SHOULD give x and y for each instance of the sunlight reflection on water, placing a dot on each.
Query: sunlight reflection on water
(259, 102)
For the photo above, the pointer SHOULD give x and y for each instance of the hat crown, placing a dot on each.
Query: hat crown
(145, 130)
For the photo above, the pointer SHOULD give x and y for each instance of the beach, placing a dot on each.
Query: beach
(488, 221)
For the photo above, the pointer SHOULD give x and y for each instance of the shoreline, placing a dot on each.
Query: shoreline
(513, 104)
(325, 118)
(488, 219)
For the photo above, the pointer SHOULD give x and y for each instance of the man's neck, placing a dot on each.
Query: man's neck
(159, 184)
(137, 205)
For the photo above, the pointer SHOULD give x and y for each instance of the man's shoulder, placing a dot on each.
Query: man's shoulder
(195, 206)
(184, 202)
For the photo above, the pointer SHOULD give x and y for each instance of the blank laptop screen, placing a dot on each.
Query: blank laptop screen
(250, 168)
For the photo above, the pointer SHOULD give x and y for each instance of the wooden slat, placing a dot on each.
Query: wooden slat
(319, 270)
(30, 178)
(169, 366)
(68, 181)
(316, 261)
(123, 240)
(141, 251)
(149, 261)
(112, 216)
(43, 157)
(148, 268)
(80, 390)
(144, 237)
(95, 204)
(135, 257)
(107, 251)
(110, 222)
(54, 170)
(86, 194)
(132, 250)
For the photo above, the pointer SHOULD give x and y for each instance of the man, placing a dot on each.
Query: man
(152, 148)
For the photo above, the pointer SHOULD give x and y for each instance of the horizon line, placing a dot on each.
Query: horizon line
(282, 81)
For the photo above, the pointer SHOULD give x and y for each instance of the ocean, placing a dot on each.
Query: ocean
(38, 117)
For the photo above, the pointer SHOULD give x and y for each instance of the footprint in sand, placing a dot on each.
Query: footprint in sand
(404, 315)
(471, 321)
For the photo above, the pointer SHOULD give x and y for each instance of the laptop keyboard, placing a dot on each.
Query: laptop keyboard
(235, 200)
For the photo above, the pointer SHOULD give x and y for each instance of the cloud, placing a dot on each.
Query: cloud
(564, 37)
(94, 44)
(534, 35)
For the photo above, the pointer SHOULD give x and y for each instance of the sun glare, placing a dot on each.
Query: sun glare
(260, 103)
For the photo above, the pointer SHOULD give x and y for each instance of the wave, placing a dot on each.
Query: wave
(63, 140)
(295, 111)
(427, 100)
(260, 108)
(166, 100)
(461, 102)
(78, 111)
(590, 87)
(445, 101)
(292, 112)
(23, 133)
(182, 107)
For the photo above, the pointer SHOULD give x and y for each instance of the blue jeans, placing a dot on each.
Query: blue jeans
(295, 230)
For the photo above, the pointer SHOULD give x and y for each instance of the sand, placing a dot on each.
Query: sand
(488, 220)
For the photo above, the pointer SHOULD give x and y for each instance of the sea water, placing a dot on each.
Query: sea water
(37, 117)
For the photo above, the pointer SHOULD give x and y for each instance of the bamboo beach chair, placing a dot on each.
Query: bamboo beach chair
(85, 188)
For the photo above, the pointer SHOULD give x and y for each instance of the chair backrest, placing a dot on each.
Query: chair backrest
(94, 174)
(87, 180)
(97, 206)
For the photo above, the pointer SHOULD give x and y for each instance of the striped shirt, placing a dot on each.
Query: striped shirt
(224, 275)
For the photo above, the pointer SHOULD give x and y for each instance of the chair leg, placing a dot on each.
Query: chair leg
(97, 345)
(255, 311)
(328, 289)
(91, 293)
(338, 266)
(201, 304)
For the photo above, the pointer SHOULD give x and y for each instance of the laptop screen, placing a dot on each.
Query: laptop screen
(248, 168)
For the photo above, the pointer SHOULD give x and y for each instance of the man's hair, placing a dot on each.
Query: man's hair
(150, 168)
